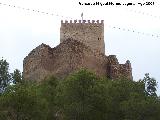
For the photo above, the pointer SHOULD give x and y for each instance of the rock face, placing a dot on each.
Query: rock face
(69, 56)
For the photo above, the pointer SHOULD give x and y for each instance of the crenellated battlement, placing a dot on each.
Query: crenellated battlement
(82, 21)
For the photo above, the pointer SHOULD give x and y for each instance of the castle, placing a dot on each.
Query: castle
(81, 46)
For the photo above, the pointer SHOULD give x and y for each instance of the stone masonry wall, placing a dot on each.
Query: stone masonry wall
(68, 57)
(116, 70)
(82, 46)
(90, 33)
(33, 63)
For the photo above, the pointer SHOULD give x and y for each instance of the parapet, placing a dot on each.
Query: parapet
(82, 21)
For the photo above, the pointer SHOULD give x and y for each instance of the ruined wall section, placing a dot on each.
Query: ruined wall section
(112, 69)
(116, 70)
(90, 33)
(33, 64)
(72, 55)
(66, 58)
(126, 70)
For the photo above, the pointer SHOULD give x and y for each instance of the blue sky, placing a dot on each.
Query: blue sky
(128, 30)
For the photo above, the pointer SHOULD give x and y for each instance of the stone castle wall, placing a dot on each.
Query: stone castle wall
(68, 57)
(82, 46)
(33, 63)
(116, 70)
(89, 32)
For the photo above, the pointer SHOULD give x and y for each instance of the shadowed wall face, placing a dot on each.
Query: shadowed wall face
(90, 33)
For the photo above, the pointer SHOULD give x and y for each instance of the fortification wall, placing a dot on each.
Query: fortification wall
(89, 32)
(33, 63)
(126, 70)
(82, 46)
(71, 56)
(66, 58)
(116, 70)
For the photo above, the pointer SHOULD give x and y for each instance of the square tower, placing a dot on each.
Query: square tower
(91, 33)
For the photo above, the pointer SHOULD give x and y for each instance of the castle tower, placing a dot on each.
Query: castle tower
(89, 32)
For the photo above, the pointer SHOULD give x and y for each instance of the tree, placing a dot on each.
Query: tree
(4, 75)
(24, 102)
(81, 97)
(48, 91)
(142, 103)
(29, 101)
(150, 85)
(16, 76)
